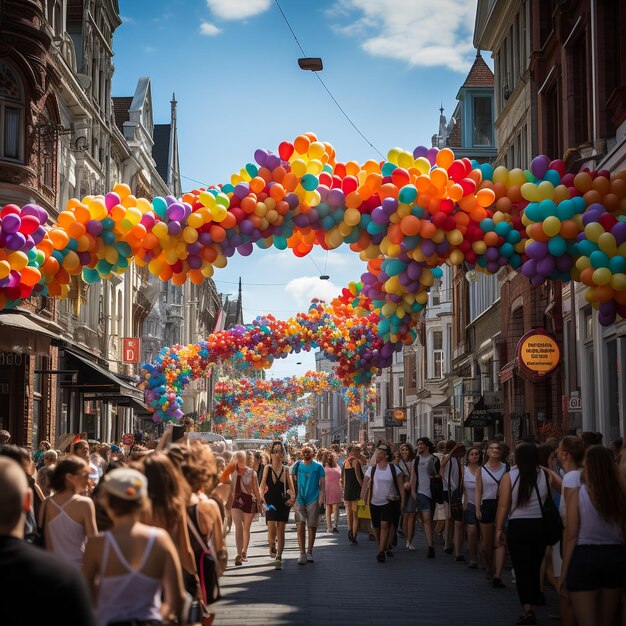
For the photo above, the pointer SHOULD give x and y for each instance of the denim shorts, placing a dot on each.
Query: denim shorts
(424, 503)
(469, 515)
(410, 504)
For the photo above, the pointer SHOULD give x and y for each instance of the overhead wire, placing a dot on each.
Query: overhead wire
(332, 97)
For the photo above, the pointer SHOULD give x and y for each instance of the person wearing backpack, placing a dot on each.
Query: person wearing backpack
(383, 488)
(425, 468)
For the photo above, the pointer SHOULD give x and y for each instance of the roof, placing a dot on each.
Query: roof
(121, 106)
(480, 75)
(161, 149)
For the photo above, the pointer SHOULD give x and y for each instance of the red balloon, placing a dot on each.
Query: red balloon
(285, 150)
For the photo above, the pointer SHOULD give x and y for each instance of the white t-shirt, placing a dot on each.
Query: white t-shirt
(571, 480)
(382, 485)
(423, 477)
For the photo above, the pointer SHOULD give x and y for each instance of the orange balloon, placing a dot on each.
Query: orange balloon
(290, 181)
(218, 234)
(569, 229)
(257, 184)
(428, 229)
(586, 277)
(491, 238)
(229, 221)
(395, 234)
(410, 225)
(485, 197)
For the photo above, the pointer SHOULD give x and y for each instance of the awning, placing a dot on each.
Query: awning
(98, 383)
(19, 333)
(480, 416)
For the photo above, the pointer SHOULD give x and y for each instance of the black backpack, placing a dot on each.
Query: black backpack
(393, 473)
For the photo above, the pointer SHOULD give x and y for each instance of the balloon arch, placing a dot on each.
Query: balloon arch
(405, 217)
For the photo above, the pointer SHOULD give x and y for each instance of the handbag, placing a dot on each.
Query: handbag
(363, 510)
(455, 498)
(207, 568)
(552, 523)
(436, 489)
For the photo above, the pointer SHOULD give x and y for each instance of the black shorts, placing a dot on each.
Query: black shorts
(488, 510)
(384, 513)
(597, 567)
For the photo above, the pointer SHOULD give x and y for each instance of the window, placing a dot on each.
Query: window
(482, 127)
(436, 292)
(579, 88)
(438, 360)
(11, 114)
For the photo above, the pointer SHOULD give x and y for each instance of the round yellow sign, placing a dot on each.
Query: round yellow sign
(539, 353)
(399, 415)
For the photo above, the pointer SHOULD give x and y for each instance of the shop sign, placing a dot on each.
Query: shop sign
(395, 417)
(131, 348)
(538, 354)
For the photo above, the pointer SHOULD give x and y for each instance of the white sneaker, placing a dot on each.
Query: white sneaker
(411, 547)
(309, 557)
(302, 559)
(407, 544)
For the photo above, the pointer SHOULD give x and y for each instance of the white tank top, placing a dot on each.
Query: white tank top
(130, 596)
(67, 536)
(469, 480)
(491, 481)
(594, 529)
(532, 508)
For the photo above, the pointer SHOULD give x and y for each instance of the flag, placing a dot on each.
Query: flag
(220, 320)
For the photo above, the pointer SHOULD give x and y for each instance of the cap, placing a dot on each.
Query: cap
(384, 447)
(126, 483)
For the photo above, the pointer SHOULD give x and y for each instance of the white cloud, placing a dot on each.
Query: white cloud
(149, 49)
(303, 289)
(420, 33)
(126, 19)
(208, 29)
(237, 9)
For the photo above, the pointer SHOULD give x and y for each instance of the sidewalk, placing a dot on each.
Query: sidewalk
(347, 586)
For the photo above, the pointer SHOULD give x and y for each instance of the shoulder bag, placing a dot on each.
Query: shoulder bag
(456, 497)
(436, 483)
(552, 523)
(207, 567)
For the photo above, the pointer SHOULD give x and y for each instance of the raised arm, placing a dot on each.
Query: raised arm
(263, 484)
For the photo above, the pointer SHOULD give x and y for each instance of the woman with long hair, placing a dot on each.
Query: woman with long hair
(407, 456)
(471, 471)
(277, 491)
(333, 492)
(132, 569)
(352, 480)
(594, 555)
(488, 485)
(168, 493)
(68, 517)
(570, 453)
(243, 503)
(425, 466)
(522, 493)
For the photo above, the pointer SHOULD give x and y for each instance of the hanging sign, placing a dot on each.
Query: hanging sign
(538, 354)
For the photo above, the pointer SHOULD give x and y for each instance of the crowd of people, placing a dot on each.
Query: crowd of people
(158, 518)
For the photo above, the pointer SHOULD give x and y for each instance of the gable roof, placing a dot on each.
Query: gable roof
(161, 149)
(121, 107)
(480, 75)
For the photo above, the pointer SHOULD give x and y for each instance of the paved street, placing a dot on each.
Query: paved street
(347, 586)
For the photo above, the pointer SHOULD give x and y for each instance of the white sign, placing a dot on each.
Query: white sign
(205, 436)
(493, 401)
(575, 404)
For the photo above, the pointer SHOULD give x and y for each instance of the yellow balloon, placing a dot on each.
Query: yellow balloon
(593, 230)
(602, 276)
(530, 192)
(352, 217)
(501, 175)
(551, 226)
(298, 167)
(582, 263)
(159, 230)
(190, 235)
(607, 243)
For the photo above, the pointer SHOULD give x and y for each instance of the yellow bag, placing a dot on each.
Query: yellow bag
(363, 510)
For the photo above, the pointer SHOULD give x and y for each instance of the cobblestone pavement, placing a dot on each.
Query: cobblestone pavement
(345, 585)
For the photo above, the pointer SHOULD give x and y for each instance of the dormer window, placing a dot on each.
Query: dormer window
(482, 121)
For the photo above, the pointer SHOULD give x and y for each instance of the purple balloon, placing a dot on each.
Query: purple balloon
(389, 205)
(174, 228)
(492, 267)
(242, 190)
(38, 234)
(336, 198)
(414, 270)
(273, 161)
(302, 221)
(14, 241)
(428, 247)
(539, 166)
(176, 212)
(545, 266)
(94, 228)
(420, 151)
(292, 200)
(194, 262)
(537, 250)
(619, 232)
(529, 268)
(431, 155)
(169, 200)
(245, 249)
(11, 223)
(205, 239)
(260, 156)
(30, 209)
(380, 217)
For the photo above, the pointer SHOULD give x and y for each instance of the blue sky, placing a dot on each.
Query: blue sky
(233, 67)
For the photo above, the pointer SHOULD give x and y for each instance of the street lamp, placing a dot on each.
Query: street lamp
(311, 64)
